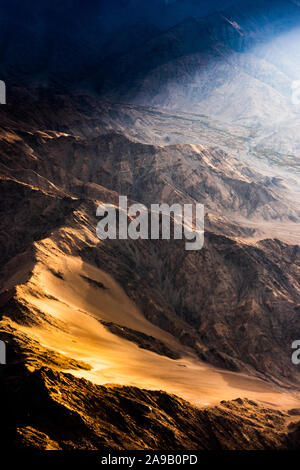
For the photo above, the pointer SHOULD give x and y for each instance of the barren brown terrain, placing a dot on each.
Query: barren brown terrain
(104, 336)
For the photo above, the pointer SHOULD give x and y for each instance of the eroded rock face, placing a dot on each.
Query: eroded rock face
(68, 298)
(234, 302)
(95, 328)
(50, 410)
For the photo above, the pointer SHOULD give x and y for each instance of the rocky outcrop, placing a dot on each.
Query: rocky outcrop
(234, 302)
(50, 410)
(233, 305)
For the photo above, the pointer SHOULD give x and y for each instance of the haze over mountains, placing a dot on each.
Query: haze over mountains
(175, 108)
(237, 64)
(233, 65)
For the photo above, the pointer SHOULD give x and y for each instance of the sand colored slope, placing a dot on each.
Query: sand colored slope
(77, 295)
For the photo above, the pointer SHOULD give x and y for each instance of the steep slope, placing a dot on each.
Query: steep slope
(207, 326)
(140, 344)
(65, 413)
(196, 297)
(48, 409)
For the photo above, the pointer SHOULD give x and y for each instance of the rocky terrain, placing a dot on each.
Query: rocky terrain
(50, 410)
(220, 320)
(64, 413)
(123, 344)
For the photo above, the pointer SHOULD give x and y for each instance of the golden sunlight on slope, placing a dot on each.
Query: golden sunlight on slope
(74, 296)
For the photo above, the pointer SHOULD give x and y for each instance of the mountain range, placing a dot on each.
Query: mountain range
(139, 344)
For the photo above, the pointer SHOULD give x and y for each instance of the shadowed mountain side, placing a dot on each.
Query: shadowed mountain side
(54, 411)
(74, 166)
(104, 336)
(237, 65)
(234, 304)
(57, 180)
